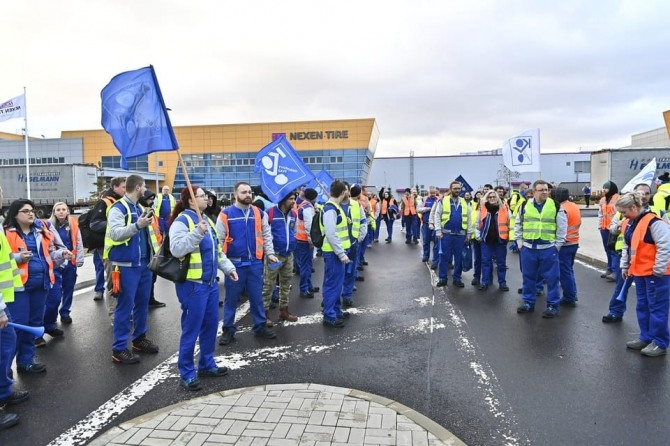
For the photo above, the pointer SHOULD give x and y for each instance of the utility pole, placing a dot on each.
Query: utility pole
(411, 167)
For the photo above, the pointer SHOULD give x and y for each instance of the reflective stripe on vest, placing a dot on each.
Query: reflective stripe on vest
(195, 262)
(74, 233)
(643, 254)
(538, 226)
(574, 221)
(16, 242)
(608, 210)
(355, 217)
(109, 243)
(258, 231)
(342, 230)
(446, 212)
(503, 221)
(10, 276)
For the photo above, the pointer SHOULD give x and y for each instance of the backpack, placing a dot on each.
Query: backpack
(315, 231)
(92, 239)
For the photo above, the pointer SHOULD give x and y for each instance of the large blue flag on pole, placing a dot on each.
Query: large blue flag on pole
(134, 114)
(321, 184)
(281, 169)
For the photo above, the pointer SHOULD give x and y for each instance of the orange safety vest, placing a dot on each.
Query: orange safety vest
(503, 220)
(412, 206)
(574, 221)
(157, 229)
(608, 210)
(363, 200)
(385, 205)
(373, 206)
(301, 230)
(18, 244)
(258, 230)
(643, 254)
(74, 232)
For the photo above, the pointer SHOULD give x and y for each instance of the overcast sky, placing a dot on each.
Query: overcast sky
(440, 77)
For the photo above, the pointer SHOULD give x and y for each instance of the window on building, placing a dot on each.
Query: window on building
(582, 166)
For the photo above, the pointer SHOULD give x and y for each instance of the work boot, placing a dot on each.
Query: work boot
(284, 315)
(268, 321)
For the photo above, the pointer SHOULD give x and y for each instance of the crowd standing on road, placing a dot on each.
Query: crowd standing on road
(259, 245)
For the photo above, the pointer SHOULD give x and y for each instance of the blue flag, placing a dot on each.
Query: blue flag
(321, 184)
(134, 114)
(281, 169)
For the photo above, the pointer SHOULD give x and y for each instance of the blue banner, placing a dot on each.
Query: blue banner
(321, 184)
(134, 114)
(281, 169)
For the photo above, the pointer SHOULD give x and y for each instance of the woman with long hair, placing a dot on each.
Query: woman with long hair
(36, 255)
(606, 211)
(492, 232)
(388, 213)
(65, 274)
(199, 294)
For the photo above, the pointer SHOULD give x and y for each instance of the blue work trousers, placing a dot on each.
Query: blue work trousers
(489, 252)
(540, 265)
(333, 280)
(304, 255)
(132, 304)
(605, 235)
(350, 273)
(99, 272)
(199, 321)
(476, 260)
(379, 226)
(389, 227)
(452, 251)
(60, 295)
(27, 309)
(566, 261)
(250, 278)
(411, 227)
(7, 349)
(653, 302)
(428, 238)
(618, 307)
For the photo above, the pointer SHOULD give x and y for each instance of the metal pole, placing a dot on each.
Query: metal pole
(25, 121)
(156, 155)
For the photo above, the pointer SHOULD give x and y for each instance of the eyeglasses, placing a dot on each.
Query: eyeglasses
(27, 211)
(541, 190)
(201, 196)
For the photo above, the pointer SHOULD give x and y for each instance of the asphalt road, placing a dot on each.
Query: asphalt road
(462, 357)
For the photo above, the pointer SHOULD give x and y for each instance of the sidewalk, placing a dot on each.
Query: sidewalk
(296, 414)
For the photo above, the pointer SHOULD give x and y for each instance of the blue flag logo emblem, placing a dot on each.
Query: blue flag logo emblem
(522, 155)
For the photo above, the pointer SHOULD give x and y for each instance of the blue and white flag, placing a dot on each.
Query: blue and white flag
(645, 176)
(522, 152)
(134, 114)
(281, 169)
(321, 184)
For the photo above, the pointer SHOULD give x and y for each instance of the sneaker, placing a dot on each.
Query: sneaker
(525, 308)
(459, 284)
(142, 344)
(347, 303)
(653, 350)
(35, 367)
(567, 303)
(190, 384)
(8, 420)
(337, 323)
(474, 282)
(40, 342)
(309, 295)
(124, 357)
(214, 372)
(550, 312)
(606, 274)
(17, 397)
(360, 279)
(344, 315)
(636, 344)
(55, 332)
(226, 337)
(441, 282)
(503, 288)
(66, 320)
(98, 296)
(609, 318)
(265, 333)
(156, 304)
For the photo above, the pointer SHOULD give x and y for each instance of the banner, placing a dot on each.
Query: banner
(281, 169)
(321, 184)
(14, 108)
(134, 114)
(522, 152)
(645, 176)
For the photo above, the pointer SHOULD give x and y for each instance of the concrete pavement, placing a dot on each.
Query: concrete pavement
(292, 414)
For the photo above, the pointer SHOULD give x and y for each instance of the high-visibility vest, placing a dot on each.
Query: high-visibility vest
(574, 221)
(159, 200)
(409, 207)
(643, 254)
(258, 230)
(109, 243)
(355, 218)
(618, 245)
(373, 207)
(446, 212)
(18, 244)
(342, 229)
(503, 220)
(300, 229)
(608, 210)
(515, 212)
(195, 262)
(538, 226)
(10, 276)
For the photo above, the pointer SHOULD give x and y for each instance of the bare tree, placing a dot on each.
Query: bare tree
(506, 175)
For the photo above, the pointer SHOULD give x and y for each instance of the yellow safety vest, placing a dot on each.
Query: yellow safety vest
(446, 212)
(538, 226)
(355, 214)
(109, 243)
(195, 262)
(342, 229)
(10, 277)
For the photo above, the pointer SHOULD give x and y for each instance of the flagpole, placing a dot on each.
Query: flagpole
(188, 184)
(25, 124)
